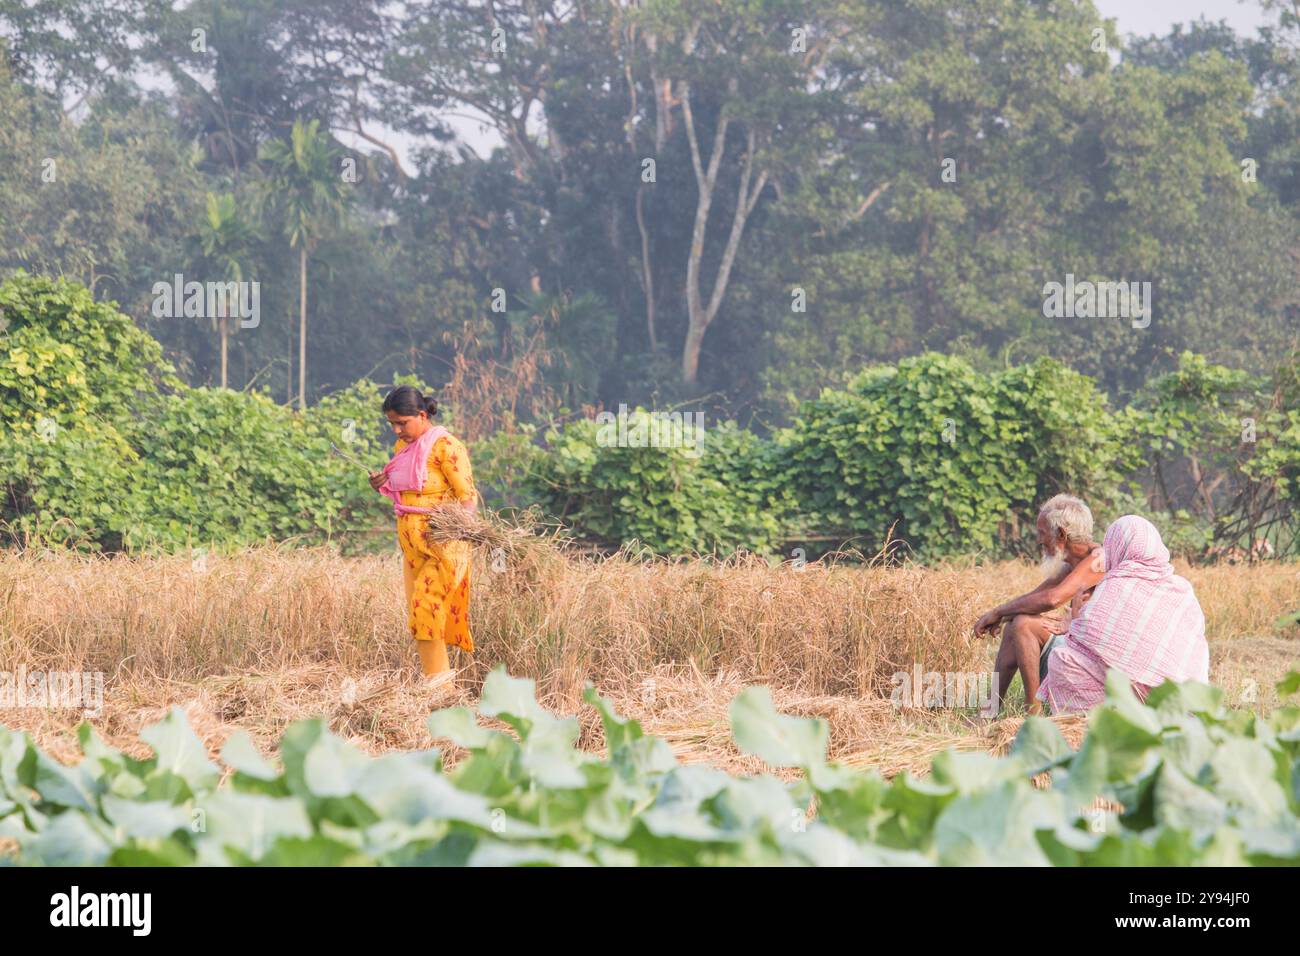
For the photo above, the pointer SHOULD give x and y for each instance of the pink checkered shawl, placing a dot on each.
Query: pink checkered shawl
(1143, 619)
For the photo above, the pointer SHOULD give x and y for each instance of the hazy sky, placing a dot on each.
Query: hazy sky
(1156, 16)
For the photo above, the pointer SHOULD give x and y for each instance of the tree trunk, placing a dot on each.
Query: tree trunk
(225, 337)
(302, 327)
(699, 314)
(647, 274)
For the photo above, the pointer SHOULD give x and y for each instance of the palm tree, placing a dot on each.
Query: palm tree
(305, 191)
(227, 237)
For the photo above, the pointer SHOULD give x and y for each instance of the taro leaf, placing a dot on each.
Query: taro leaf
(58, 786)
(333, 767)
(548, 756)
(102, 758)
(646, 757)
(1272, 846)
(1172, 846)
(458, 725)
(1242, 771)
(1183, 805)
(1226, 848)
(492, 771)
(315, 850)
(1137, 796)
(970, 772)
(1187, 745)
(608, 814)
(853, 803)
(70, 839)
(629, 748)
(15, 749)
(997, 826)
(1121, 701)
(1066, 846)
(400, 787)
(914, 805)
(1289, 684)
(615, 856)
(240, 755)
(683, 823)
(1040, 745)
(514, 700)
(746, 803)
(691, 785)
(1119, 746)
(1171, 700)
(179, 751)
(141, 820)
(246, 825)
(534, 854)
(295, 743)
(779, 740)
(165, 852)
(619, 731)
(819, 845)
(385, 838)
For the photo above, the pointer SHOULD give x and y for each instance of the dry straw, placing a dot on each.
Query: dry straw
(260, 637)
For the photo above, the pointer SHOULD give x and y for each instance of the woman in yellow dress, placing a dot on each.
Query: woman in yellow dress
(434, 473)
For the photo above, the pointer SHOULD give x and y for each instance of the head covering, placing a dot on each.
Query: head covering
(1143, 618)
(1133, 549)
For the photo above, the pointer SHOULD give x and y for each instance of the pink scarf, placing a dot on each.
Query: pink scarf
(408, 470)
(1143, 618)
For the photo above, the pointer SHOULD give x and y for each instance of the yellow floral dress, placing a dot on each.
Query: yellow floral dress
(437, 575)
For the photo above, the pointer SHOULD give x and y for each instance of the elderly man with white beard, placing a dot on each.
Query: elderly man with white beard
(1072, 566)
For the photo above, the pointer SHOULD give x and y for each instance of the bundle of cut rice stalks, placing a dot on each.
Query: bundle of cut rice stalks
(524, 536)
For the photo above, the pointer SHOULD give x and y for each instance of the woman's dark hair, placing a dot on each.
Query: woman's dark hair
(406, 400)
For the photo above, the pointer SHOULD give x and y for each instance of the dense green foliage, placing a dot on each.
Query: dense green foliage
(702, 489)
(1195, 784)
(103, 446)
(947, 456)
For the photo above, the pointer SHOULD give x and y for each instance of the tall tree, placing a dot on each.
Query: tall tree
(306, 192)
(227, 236)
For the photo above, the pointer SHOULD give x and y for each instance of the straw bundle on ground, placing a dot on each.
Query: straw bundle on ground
(263, 636)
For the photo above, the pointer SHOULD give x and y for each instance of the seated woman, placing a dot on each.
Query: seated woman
(1142, 619)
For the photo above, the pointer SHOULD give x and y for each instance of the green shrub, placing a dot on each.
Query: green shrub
(1197, 784)
(696, 492)
(103, 447)
(948, 457)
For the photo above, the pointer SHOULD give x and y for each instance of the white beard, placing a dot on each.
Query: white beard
(1053, 564)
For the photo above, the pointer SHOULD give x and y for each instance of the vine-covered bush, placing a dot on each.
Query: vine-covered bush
(102, 446)
(946, 456)
(705, 489)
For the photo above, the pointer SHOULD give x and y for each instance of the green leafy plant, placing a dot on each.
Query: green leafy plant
(1194, 783)
(946, 456)
(702, 491)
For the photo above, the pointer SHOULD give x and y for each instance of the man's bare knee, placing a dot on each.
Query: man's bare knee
(1021, 624)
